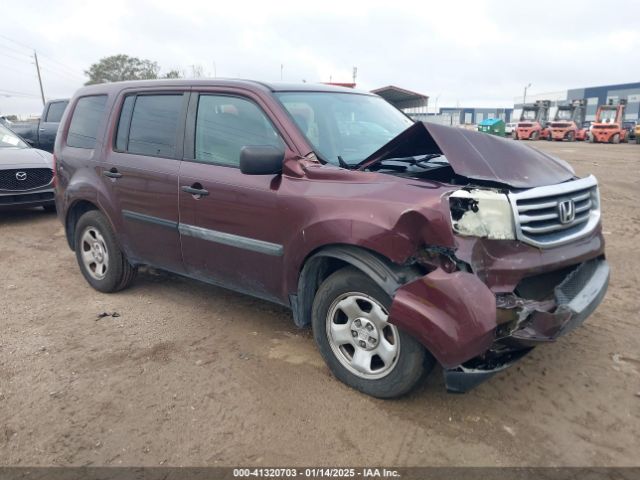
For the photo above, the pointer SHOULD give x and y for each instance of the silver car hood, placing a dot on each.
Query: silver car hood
(25, 158)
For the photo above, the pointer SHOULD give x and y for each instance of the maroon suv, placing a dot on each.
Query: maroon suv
(403, 244)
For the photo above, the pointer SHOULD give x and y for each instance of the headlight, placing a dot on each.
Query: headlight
(482, 213)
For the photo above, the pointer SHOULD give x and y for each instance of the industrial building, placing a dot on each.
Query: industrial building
(468, 116)
(595, 96)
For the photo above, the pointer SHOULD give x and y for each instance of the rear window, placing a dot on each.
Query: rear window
(83, 129)
(154, 125)
(56, 109)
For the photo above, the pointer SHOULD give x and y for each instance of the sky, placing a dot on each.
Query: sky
(462, 53)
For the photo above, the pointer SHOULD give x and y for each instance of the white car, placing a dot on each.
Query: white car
(510, 127)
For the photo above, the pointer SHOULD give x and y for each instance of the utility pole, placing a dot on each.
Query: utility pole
(355, 74)
(35, 56)
(281, 70)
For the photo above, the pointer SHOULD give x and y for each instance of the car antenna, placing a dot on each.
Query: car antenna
(342, 163)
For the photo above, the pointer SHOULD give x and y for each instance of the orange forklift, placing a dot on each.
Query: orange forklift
(608, 125)
(533, 121)
(568, 122)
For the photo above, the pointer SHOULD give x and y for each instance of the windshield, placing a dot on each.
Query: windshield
(529, 115)
(346, 125)
(9, 139)
(608, 115)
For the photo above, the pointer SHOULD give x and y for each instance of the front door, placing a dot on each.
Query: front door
(142, 172)
(229, 224)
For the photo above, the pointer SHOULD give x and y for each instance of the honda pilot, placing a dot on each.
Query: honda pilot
(402, 244)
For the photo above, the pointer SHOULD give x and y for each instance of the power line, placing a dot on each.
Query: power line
(12, 67)
(16, 42)
(66, 76)
(14, 50)
(9, 55)
(18, 94)
(49, 58)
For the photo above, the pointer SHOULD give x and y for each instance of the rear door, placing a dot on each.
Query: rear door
(232, 234)
(142, 172)
(48, 126)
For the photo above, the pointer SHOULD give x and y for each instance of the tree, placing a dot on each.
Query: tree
(117, 68)
(172, 74)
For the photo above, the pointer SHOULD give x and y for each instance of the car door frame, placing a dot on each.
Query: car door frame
(276, 293)
(113, 156)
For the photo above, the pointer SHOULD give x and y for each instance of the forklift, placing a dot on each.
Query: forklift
(608, 125)
(568, 122)
(533, 121)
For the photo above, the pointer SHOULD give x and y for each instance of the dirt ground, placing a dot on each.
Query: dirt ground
(191, 374)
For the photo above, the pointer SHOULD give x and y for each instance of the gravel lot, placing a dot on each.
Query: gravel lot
(190, 374)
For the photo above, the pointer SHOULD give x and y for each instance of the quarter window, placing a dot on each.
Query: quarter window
(225, 124)
(83, 128)
(124, 123)
(154, 125)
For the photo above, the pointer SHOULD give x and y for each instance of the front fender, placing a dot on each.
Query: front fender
(371, 236)
(452, 314)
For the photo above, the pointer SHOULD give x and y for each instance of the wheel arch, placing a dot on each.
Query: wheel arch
(325, 260)
(74, 212)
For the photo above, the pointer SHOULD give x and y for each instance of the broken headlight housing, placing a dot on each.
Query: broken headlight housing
(482, 213)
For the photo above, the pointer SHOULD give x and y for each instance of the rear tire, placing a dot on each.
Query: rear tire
(101, 261)
(350, 329)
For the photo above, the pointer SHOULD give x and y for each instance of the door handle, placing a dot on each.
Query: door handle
(42, 129)
(195, 189)
(113, 173)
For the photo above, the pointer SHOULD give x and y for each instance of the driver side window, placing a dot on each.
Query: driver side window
(225, 124)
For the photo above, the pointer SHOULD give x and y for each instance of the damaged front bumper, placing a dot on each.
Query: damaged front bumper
(534, 322)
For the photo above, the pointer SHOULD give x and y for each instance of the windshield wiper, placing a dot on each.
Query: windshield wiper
(413, 160)
(342, 163)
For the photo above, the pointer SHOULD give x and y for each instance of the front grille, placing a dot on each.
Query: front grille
(21, 179)
(525, 125)
(543, 222)
(560, 125)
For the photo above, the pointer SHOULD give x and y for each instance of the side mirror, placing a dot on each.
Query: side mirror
(261, 160)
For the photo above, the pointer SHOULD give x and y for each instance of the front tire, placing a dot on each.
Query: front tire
(101, 261)
(360, 347)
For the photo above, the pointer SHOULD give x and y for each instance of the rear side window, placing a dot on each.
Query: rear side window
(83, 129)
(56, 109)
(226, 124)
(154, 125)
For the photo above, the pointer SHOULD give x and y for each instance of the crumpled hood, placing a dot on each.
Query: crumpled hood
(478, 156)
(24, 157)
